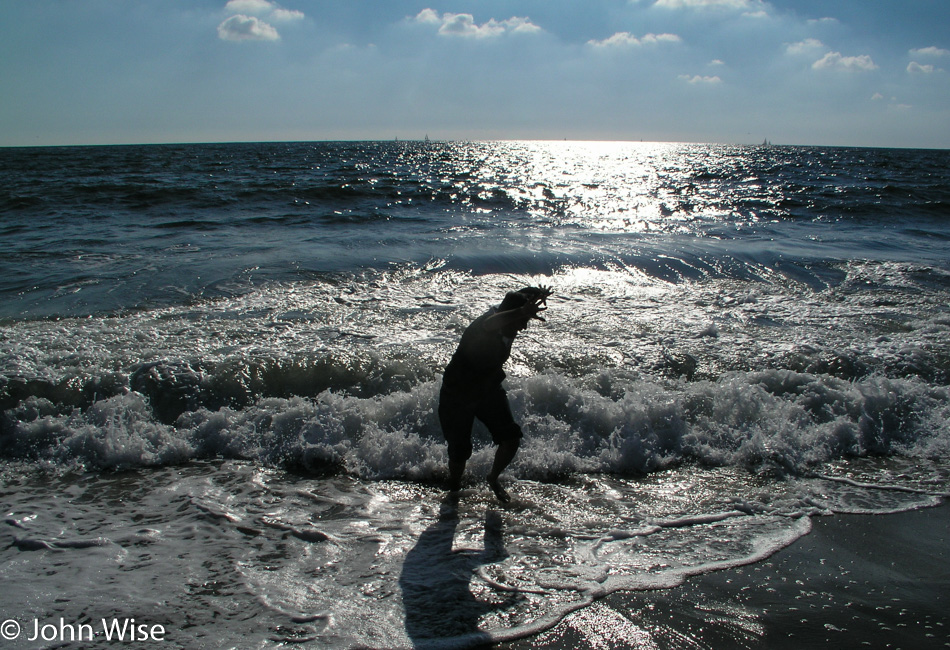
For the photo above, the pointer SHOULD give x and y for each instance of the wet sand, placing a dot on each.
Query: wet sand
(855, 581)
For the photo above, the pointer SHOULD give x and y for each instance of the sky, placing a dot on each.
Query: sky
(812, 72)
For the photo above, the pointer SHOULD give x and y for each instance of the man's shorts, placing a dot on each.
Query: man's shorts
(457, 415)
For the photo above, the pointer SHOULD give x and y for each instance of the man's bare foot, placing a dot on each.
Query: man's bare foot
(499, 491)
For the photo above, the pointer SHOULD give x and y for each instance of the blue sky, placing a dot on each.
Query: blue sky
(849, 72)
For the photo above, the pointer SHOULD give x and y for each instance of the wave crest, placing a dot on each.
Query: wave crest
(765, 421)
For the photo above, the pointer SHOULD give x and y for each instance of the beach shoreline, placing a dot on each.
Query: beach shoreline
(861, 581)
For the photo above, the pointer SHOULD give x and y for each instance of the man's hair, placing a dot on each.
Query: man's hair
(516, 299)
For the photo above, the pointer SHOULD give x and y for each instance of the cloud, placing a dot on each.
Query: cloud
(834, 61)
(748, 8)
(930, 51)
(916, 68)
(808, 46)
(464, 25)
(626, 39)
(830, 60)
(287, 15)
(248, 6)
(430, 16)
(246, 28)
(698, 79)
(739, 5)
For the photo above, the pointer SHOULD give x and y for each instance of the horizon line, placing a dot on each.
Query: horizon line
(436, 141)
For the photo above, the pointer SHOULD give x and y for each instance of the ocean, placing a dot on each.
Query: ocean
(220, 366)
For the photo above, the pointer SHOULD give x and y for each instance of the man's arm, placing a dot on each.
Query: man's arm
(531, 309)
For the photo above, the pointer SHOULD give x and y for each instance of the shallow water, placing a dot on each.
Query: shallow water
(228, 553)
(854, 581)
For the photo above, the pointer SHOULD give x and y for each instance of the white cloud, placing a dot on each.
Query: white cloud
(464, 25)
(917, 68)
(287, 15)
(698, 79)
(876, 97)
(749, 8)
(717, 62)
(246, 28)
(430, 16)
(248, 6)
(834, 61)
(930, 51)
(704, 4)
(626, 39)
(808, 46)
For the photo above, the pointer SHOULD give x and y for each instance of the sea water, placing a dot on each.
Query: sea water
(220, 365)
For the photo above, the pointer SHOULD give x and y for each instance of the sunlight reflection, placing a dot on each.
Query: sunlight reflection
(612, 187)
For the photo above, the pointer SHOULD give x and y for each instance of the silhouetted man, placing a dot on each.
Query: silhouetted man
(471, 387)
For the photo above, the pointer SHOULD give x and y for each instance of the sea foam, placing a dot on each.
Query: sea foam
(762, 421)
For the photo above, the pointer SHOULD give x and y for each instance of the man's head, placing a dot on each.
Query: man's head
(516, 299)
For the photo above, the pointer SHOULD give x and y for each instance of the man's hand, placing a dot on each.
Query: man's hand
(538, 304)
(545, 292)
(535, 302)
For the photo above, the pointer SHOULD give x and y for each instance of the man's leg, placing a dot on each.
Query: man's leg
(503, 456)
(505, 432)
(456, 418)
(456, 469)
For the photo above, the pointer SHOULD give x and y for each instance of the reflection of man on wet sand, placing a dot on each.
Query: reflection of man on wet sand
(471, 387)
